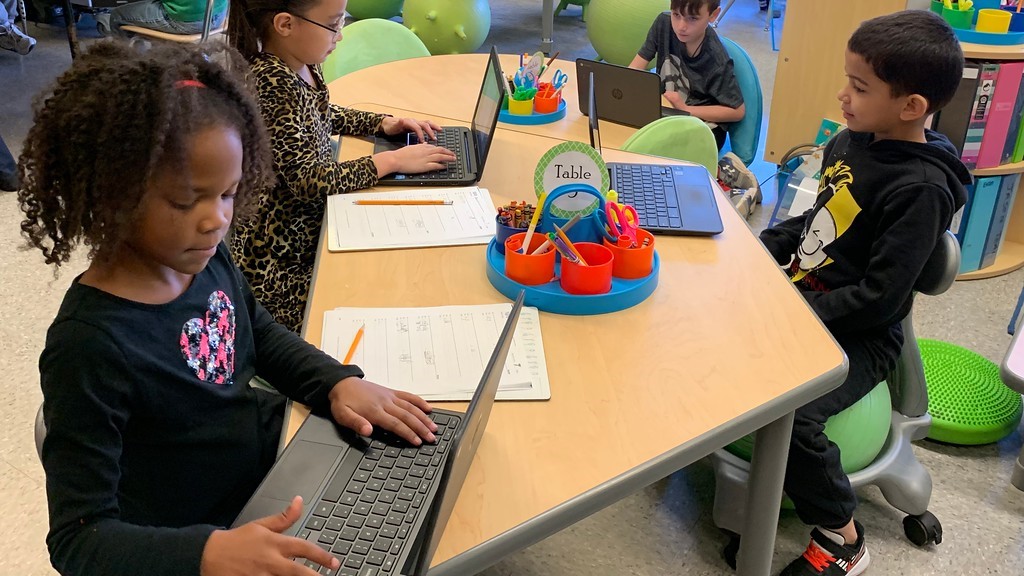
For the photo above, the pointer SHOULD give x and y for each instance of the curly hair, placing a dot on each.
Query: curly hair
(120, 113)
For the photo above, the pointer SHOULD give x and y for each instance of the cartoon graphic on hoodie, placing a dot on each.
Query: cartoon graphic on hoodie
(881, 208)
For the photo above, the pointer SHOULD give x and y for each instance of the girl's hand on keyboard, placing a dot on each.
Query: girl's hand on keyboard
(361, 405)
(425, 130)
(259, 548)
(412, 159)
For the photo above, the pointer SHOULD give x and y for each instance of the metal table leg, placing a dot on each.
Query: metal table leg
(69, 27)
(547, 20)
(767, 471)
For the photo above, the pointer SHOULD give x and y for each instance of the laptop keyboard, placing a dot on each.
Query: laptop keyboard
(450, 138)
(370, 505)
(652, 191)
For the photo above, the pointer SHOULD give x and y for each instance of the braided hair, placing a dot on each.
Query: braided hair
(121, 112)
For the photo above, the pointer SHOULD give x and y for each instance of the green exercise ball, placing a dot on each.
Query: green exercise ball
(363, 9)
(859, 431)
(449, 26)
(617, 28)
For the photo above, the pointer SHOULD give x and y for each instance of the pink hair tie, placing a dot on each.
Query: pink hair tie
(189, 84)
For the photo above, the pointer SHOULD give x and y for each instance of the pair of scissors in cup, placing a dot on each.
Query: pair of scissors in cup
(622, 221)
(559, 80)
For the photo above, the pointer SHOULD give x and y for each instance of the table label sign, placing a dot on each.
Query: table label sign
(569, 163)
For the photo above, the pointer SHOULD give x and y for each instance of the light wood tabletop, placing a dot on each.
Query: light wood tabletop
(724, 346)
(455, 80)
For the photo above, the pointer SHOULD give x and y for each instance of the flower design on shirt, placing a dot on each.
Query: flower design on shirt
(208, 343)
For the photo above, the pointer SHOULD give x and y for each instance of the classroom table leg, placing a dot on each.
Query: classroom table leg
(767, 471)
(69, 27)
(547, 21)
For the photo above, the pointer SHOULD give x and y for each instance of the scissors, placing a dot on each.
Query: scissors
(559, 80)
(622, 221)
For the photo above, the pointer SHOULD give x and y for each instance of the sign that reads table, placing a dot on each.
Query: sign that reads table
(568, 163)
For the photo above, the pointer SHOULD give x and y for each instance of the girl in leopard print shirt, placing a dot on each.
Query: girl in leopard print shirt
(286, 41)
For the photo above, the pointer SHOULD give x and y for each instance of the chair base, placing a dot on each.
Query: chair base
(183, 38)
(904, 482)
(1017, 478)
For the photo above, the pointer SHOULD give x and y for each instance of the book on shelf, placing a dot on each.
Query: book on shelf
(1000, 114)
(1013, 130)
(979, 218)
(1000, 219)
(953, 119)
(979, 114)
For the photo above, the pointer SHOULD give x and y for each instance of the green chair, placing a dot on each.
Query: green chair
(679, 137)
(366, 9)
(370, 42)
(565, 4)
(745, 134)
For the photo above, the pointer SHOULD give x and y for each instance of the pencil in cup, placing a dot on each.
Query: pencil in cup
(569, 245)
(547, 243)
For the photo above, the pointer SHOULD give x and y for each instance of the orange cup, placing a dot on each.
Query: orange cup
(529, 269)
(596, 278)
(633, 263)
(547, 102)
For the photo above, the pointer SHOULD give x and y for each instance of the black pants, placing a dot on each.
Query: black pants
(720, 134)
(815, 480)
(8, 170)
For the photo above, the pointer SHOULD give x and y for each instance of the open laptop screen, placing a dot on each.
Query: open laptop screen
(488, 107)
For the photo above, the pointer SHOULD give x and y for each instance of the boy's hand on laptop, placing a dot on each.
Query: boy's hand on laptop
(412, 159)
(675, 100)
(259, 548)
(361, 405)
(425, 130)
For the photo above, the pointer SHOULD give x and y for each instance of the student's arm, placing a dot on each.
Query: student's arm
(912, 220)
(87, 404)
(709, 113)
(640, 63)
(348, 121)
(649, 50)
(782, 239)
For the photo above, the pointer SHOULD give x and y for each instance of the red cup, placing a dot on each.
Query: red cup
(547, 102)
(529, 269)
(595, 278)
(633, 263)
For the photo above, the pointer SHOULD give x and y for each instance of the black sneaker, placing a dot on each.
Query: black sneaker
(829, 555)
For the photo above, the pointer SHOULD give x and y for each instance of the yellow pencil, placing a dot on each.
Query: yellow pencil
(355, 345)
(403, 202)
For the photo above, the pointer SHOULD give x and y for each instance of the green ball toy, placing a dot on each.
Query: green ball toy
(859, 431)
(617, 28)
(449, 26)
(363, 9)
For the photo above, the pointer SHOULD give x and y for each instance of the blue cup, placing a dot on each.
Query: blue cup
(1016, 18)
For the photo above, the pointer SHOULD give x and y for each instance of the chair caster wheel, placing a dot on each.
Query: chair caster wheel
(731, 549)
(923, 529)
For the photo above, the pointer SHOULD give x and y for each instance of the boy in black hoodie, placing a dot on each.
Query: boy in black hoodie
(888, 191)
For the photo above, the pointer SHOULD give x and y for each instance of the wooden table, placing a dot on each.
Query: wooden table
(708, 362)
(455, 83)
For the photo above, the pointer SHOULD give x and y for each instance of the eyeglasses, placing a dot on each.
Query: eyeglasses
(335, 31)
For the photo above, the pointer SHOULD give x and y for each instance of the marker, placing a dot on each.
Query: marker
(547, 243)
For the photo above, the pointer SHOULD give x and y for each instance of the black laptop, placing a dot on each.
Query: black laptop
(470, 145)
(380, 504)
(668, 199)
(624, 96)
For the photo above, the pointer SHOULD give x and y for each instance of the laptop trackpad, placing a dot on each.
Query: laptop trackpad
(300, 471)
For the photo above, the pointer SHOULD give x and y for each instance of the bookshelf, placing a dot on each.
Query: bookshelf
(810, 73)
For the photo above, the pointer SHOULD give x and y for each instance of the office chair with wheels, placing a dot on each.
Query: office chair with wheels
(904, 482)
(40, 431)
(745, 134)
(370, 42)
(680, 137)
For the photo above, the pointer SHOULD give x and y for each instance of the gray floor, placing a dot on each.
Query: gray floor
(665, 528)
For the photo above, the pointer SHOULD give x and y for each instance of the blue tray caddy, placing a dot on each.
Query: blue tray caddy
(550, 297)
(533, 119)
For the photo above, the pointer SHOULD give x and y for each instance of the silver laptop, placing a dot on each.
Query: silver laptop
(677, 200)
(379, 504)
(624, 95)
(470, 145)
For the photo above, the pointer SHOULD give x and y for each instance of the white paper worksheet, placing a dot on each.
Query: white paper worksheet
(440, 353)
(469, 219)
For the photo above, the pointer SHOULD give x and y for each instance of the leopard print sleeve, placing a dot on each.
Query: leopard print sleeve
(347, 121)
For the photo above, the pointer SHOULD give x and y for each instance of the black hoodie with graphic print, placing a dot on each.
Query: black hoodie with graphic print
(880, 210)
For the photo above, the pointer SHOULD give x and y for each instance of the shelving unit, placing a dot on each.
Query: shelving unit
(810, 73)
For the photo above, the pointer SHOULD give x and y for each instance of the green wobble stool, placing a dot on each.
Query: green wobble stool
(363, 9)
(449, 26)
(617, 28)
(565, 4)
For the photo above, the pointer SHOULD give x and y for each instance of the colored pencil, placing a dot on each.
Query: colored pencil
(355, 345)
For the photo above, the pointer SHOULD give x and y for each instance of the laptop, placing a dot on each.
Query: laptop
(625, 95)
(470, 145)
(677, 200)
(379, 504)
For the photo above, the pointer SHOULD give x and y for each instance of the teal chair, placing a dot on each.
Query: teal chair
(745, 134)
(679, 137)
(370, 42)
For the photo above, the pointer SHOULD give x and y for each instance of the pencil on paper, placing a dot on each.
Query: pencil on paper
(355, 345)
(403, 202)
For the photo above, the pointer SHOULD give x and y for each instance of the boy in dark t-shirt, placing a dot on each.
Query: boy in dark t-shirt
(696, 71)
